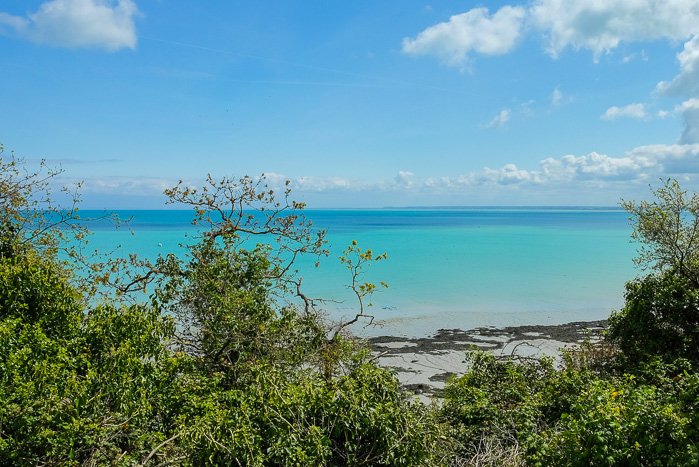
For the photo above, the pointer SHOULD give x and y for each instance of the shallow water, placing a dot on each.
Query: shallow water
(447, 268)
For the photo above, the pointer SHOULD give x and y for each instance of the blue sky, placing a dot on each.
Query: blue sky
(358, 104)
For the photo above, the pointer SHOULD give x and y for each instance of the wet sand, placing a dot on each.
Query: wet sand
(423, 365)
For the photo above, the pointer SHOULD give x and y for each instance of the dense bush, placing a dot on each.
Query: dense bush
(660, 319)
(72, 384)
(508, 403)
(620, 422)
(104, 385)
(497, 396)
(211, 370)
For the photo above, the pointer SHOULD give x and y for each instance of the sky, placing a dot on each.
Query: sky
(360, 104)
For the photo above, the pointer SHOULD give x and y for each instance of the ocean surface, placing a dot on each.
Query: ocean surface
(446, 269)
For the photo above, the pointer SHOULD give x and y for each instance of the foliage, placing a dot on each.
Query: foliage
(620, 422)
(31, 217)
(224, 306)
(668, 230)
(210, 371)
(360, 419)
(499, 398)
(356, 260)
(105, 385)
(660, 318)
(75, 388)
(505, 411)
(597, 353)
(36, 292)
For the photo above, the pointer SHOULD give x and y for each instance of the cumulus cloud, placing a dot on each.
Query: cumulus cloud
(572, 174)
(405, 179)
(597, 26)
(630, 111)
(690, 114)
(642, 164)
(591, 166)
(103, 24)
(668, 160)
(687, 82)
(500, 119)
(600, 26)
(476, 30)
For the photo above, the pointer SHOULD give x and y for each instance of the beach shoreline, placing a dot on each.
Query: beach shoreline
(423, 365)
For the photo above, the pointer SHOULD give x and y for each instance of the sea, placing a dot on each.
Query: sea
(446, 268)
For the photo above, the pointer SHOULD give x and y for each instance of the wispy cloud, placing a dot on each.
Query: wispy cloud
(630, 111)
(500, 119)
(122, 185)
(558, 97)
(77, 23)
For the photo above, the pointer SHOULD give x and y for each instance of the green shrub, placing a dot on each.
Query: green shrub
(37, 292)
(499, 398)
(619, 422)
(660, 319)
(300, 419)
(93, 385)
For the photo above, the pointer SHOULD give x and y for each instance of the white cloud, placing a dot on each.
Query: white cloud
(628, 58)
(14, 22)
(316, 184)
(474, 30)
(601, 25)
(500, 119)
(508, 175)
(595, 25)
(405, 179)
(690, 114)
(639, 165)
(642, 164)
(630, 111)
(687, 82)
(611, 177)
(556, 96)
(132, 186)
(689, 111)
(668, 160)
(592, 166)
(78, 23)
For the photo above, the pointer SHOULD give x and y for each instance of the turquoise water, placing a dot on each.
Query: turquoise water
(447, 268)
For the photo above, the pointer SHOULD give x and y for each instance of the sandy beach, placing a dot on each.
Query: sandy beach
(423, 365)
